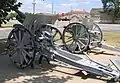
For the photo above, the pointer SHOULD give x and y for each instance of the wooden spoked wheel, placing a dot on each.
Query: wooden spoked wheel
(76, 37)
(20, 46)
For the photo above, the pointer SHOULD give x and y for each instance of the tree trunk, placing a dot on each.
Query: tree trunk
(114, 16)
(113, 20)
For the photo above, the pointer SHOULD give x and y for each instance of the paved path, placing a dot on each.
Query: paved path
(104, 27)
(110, 27)
(4, 32)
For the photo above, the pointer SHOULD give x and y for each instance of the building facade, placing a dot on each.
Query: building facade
(95, 14)
(76, 15)
(98, 15)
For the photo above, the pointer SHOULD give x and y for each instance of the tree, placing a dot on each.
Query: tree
(27, 13)
(7, 6)
(112, 7)
(12, 15)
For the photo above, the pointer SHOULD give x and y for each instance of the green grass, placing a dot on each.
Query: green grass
(8, 25)
(112, 38)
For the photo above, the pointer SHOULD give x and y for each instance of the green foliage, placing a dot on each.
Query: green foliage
(7, 6)
(12, 15)
(26, 13)
(112, 7)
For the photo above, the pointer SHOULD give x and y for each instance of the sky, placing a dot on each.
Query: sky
(59, 6)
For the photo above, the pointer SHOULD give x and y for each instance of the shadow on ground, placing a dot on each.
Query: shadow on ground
(10, 74)
(2, 45)
(92, 76)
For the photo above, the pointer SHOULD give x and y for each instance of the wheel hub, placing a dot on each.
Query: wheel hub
(76, 38)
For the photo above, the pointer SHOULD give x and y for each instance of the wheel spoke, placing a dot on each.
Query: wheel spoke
(94, 28)
(83, 39)
(79, 33)
(82, 34)
(15, 37)
(27, 47)
(71, 43)
(79, 46)
(55, 34)
(81, 42)
(20, 36)
(32, 43)
(14, 54)
(27, 53)
(24, 56)
(56, 40)
(25, 37)
(69, 40)
(79, 30)
(21, 57)
(68, 36)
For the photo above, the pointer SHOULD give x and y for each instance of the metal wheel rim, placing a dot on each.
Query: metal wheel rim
(57, 36)
(21, 47)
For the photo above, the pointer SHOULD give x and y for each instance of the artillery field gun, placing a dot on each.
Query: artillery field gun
(38, 37)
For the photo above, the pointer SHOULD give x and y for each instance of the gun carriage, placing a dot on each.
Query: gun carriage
(37, 37)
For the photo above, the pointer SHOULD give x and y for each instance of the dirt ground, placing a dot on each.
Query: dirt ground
(51, 73)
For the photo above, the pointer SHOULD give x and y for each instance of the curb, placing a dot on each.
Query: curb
(6, 28)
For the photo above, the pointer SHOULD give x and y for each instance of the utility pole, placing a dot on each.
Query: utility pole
(34, 6)
(70, 13)
(52, 6)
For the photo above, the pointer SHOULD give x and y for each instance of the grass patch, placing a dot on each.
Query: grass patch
(112, 38)
(8, 25)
